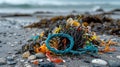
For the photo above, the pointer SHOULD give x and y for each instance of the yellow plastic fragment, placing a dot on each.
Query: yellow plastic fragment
(42, 34)
(56, 30)
(85, 24)
(42, 49)
(71, 22)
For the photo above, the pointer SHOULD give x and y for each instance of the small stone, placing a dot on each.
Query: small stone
(15, 34)
(27, 65)
(4, 43)
(22, 60)
(40, 55)
(11, 62)
(2, 61)
(0, 46)
(14, 56)
(0, 41)
(32, 57)
(18, 65)
(99, 61)
(10, 58)
(26, 54)
(16, 42)
(40, 60)
(114, 63)
(12, 45)
(9, 52)
(118, 56)
(8, 43)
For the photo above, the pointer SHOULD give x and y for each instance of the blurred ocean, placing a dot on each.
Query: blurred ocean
(29, 6)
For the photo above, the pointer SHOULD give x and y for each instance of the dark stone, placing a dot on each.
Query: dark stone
(10, 60)
(4, 43)
(100, 10)
(0, 41)
(115, 10)
(16, 15)
(74, 11)
(0, 46)
(114, 63)
(86, 61)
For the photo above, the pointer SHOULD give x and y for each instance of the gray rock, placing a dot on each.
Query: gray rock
(9, 52)
(22, 60)
(118, 56)
(27, 65)
(114, 63)
(0, 41)
(0, 46)
(40, 55)
(26, 54)
(99, 61)
(12, 45)
(11, 62)
(2, 61)
(19, 65)
(39, 60)
(9, 58)
(32, 57)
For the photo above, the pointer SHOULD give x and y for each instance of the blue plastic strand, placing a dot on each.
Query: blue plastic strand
(67, 50)
(91, 48)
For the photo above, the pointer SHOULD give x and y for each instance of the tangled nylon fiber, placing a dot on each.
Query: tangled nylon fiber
(89, 48)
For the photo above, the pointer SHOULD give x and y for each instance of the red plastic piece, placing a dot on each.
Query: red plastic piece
(53, 59)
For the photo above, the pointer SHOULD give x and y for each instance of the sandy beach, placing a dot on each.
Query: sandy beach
(13, 36)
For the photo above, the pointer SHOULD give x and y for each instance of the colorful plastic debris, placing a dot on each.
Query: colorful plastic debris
(74, 36)
(54, 59)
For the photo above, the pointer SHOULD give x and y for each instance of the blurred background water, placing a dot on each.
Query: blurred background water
(29, 6)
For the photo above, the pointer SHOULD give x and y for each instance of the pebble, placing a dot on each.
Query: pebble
(27, 65)
(2, 61)
(15, 34)
(118, 56)
(0, 41)
(114, 63)
(14, 56)
(16, 42)
(10, 60)
(4, 43)
(18, 65)
(22, 60)
(12, 45)
(0, 46)
(32, 57)
(9, 52)
(8, 42)
(39, 60)
(26, 54)
(40, 55)
(99, 61)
